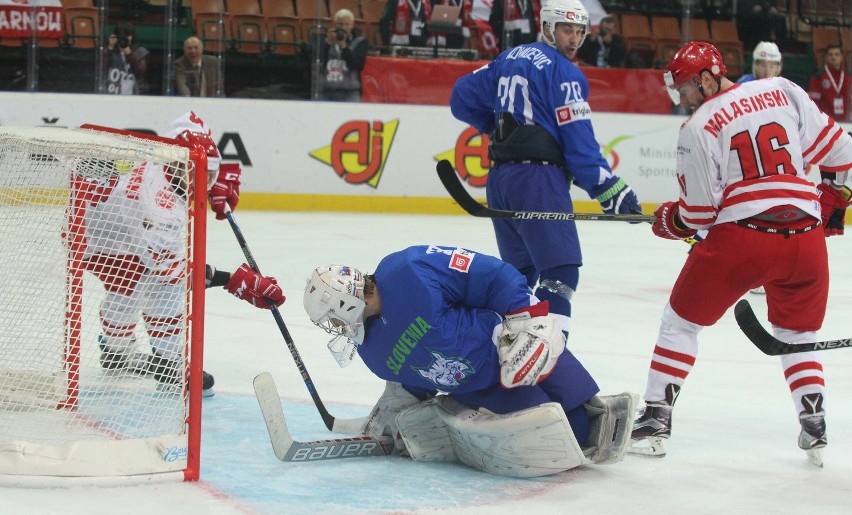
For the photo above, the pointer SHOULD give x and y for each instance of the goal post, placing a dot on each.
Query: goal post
(84, 254)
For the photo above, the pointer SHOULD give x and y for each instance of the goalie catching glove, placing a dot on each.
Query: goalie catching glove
(669, 225)
(529, 345)
(226, 189)
(833, 203)
(250, 286)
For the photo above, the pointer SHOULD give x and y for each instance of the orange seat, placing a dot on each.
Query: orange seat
(641, 47)
(695, 29)
(314, 19)
(727, 40)
(821, 38)
(82, 26)
(248, 26)
(372, 11)
(667, 38)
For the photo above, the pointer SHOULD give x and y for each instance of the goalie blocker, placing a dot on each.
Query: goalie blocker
(533, 442)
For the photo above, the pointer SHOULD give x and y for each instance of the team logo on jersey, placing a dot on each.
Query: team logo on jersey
(166, 198)
(573, 112)
(461, 259)
(446, 372)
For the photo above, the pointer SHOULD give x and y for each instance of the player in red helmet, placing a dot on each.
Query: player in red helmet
(741, 161)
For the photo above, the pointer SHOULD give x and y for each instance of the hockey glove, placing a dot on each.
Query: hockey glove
(226, 189)
(669, 225)
(833, 202)
(255, 289)
(616, 197)
(529, 346)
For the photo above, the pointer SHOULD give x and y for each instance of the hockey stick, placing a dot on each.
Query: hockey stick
(772, 346)
(456, 189)
(288, 449)
(351, 425)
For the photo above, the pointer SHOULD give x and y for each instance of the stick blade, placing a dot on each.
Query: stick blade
(273, 414)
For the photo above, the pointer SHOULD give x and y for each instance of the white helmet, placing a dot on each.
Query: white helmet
(562, 11)
(766, 51)
(334, 300)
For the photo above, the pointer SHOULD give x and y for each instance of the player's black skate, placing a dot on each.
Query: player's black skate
(812, 438)
(207, 385)
(123, 361)
(654, 426)
(167, 373)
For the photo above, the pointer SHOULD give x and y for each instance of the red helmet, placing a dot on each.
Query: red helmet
(692, 58)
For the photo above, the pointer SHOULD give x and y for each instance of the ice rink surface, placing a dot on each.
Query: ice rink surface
(733, 447)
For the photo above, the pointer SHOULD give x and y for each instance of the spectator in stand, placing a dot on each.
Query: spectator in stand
(196, 74)
(765, 62)
(125, 63)
(830, 87)
(403, 22)
(516, 22)
(604, 47)
(760, 20)
(344, 53)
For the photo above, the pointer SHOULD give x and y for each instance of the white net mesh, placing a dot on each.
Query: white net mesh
(95, 303)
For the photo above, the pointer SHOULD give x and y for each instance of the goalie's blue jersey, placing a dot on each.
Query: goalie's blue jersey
(538, 86)
(442, 310)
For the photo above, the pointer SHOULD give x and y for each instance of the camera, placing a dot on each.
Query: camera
(123, 41)
(340, 34)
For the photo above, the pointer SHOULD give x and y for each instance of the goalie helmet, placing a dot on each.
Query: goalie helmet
(562, 11)
(692, 59)
(334, 300)
(190, 128)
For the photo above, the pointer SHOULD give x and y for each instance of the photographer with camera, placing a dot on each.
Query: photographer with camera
(604, 48)
(344, 53)
(125, 63)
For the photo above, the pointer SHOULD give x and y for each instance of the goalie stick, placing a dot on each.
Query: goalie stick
(351, 425)
(772, 346)
(288, 449)
(457, 191)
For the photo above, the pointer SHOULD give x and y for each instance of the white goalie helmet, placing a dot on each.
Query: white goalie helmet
(334, 300)
(562, 11)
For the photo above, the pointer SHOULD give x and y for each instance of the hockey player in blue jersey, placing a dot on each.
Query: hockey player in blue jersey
(435, 320)
(534, 102)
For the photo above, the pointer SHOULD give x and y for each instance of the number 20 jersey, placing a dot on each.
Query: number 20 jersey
(746, 150)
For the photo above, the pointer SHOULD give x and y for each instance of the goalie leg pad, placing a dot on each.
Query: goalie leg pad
(425, 434)
(532, 442)
(612, 424)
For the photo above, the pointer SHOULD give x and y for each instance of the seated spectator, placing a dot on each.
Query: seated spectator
(760, 20)
(196, 74)
(516, 22)
(403, 22)
(125, 63)
(604, 47)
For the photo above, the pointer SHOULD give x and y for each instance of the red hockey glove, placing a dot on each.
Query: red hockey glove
(669, 225)
(833, 203)
(255, 289)
(226, 189)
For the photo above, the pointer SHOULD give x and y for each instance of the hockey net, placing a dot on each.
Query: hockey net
(64, 413)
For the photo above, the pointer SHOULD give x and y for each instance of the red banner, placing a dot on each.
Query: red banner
(394, 80)
(19, 17)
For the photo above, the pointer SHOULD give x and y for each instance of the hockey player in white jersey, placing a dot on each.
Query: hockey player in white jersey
(741, 161)
(135, 246)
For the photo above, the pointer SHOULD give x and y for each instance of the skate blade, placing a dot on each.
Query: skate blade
(208, 392)
(651, 447)
(815, 456)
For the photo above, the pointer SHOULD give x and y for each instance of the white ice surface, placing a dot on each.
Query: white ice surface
(734, 440)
